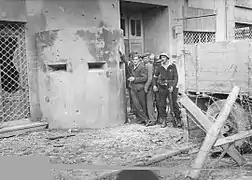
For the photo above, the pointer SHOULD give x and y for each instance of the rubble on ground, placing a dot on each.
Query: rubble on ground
(110, 146)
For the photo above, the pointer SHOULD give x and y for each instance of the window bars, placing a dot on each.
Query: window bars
(243, 31)
(191, 37)
(14, 99)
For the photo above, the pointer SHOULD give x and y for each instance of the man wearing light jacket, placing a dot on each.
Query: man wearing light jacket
(149, 60)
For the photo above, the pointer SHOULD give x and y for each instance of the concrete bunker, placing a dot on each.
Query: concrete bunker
(82, 84)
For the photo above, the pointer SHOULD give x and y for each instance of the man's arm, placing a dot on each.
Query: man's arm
(175, 81)
(150, 73)
(143, 76)
(123, 58)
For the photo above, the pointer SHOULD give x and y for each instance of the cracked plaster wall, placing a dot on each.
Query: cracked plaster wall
(47, 16)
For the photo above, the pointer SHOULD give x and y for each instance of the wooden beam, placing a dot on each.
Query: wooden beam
(206, 123)
(212, 134)
(21, 129)
(235, 137)
(195, 111)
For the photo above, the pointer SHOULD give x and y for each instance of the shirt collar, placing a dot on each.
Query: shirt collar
(136, 65)
(166, 66)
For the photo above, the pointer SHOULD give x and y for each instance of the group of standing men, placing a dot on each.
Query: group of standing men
(150, 81)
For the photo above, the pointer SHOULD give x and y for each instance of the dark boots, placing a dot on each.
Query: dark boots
(175, 122)
(163, 122)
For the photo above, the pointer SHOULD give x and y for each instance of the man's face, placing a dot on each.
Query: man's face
(135, 60)
(151, 58)
(164, 59)
(146, 59)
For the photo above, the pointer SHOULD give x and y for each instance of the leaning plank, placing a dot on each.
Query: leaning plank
(230, 139)
(21, 129)
(204, 121)
(195, 111)
(213, 133)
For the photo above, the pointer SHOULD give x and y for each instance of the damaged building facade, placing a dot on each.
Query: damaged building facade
(60, 60)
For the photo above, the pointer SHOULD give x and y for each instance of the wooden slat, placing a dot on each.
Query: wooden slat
(201, 118)
(233, 138)
(212, 134)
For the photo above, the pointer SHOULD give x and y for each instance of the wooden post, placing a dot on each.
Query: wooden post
(213, 134)
(233, 138)
(185, 124)
(205, 123)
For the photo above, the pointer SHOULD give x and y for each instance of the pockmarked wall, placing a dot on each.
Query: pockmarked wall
(80, 77)
(43, 15)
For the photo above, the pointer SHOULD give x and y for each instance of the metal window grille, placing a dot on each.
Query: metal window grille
(14, 99)
(198, 37)
(243, 31)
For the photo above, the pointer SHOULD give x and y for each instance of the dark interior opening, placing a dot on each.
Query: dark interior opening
(96, 65)
(57, 67)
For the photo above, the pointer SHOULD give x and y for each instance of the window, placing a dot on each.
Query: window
(136, 29)
(198, 37)
(123, 25)
(243, 31)
(133, 27)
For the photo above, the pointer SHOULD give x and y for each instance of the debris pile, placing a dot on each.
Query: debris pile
(111, 146)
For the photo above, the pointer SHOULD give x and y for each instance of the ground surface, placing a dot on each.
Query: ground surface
(120, 145)
(124, 144)
(225, 169)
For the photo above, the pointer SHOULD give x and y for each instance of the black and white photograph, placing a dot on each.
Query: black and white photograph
(126, 89)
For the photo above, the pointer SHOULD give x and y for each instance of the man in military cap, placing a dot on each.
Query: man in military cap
(167, 84)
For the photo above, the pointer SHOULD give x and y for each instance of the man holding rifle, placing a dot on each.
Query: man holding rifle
(166, 86)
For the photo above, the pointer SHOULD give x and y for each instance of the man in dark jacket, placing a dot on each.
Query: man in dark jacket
(128, 67)
(139, 76)
(167, 84)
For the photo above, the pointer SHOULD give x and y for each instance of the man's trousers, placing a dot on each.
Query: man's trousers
(139, 104)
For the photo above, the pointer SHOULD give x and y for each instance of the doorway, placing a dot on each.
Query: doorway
(132, 26)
